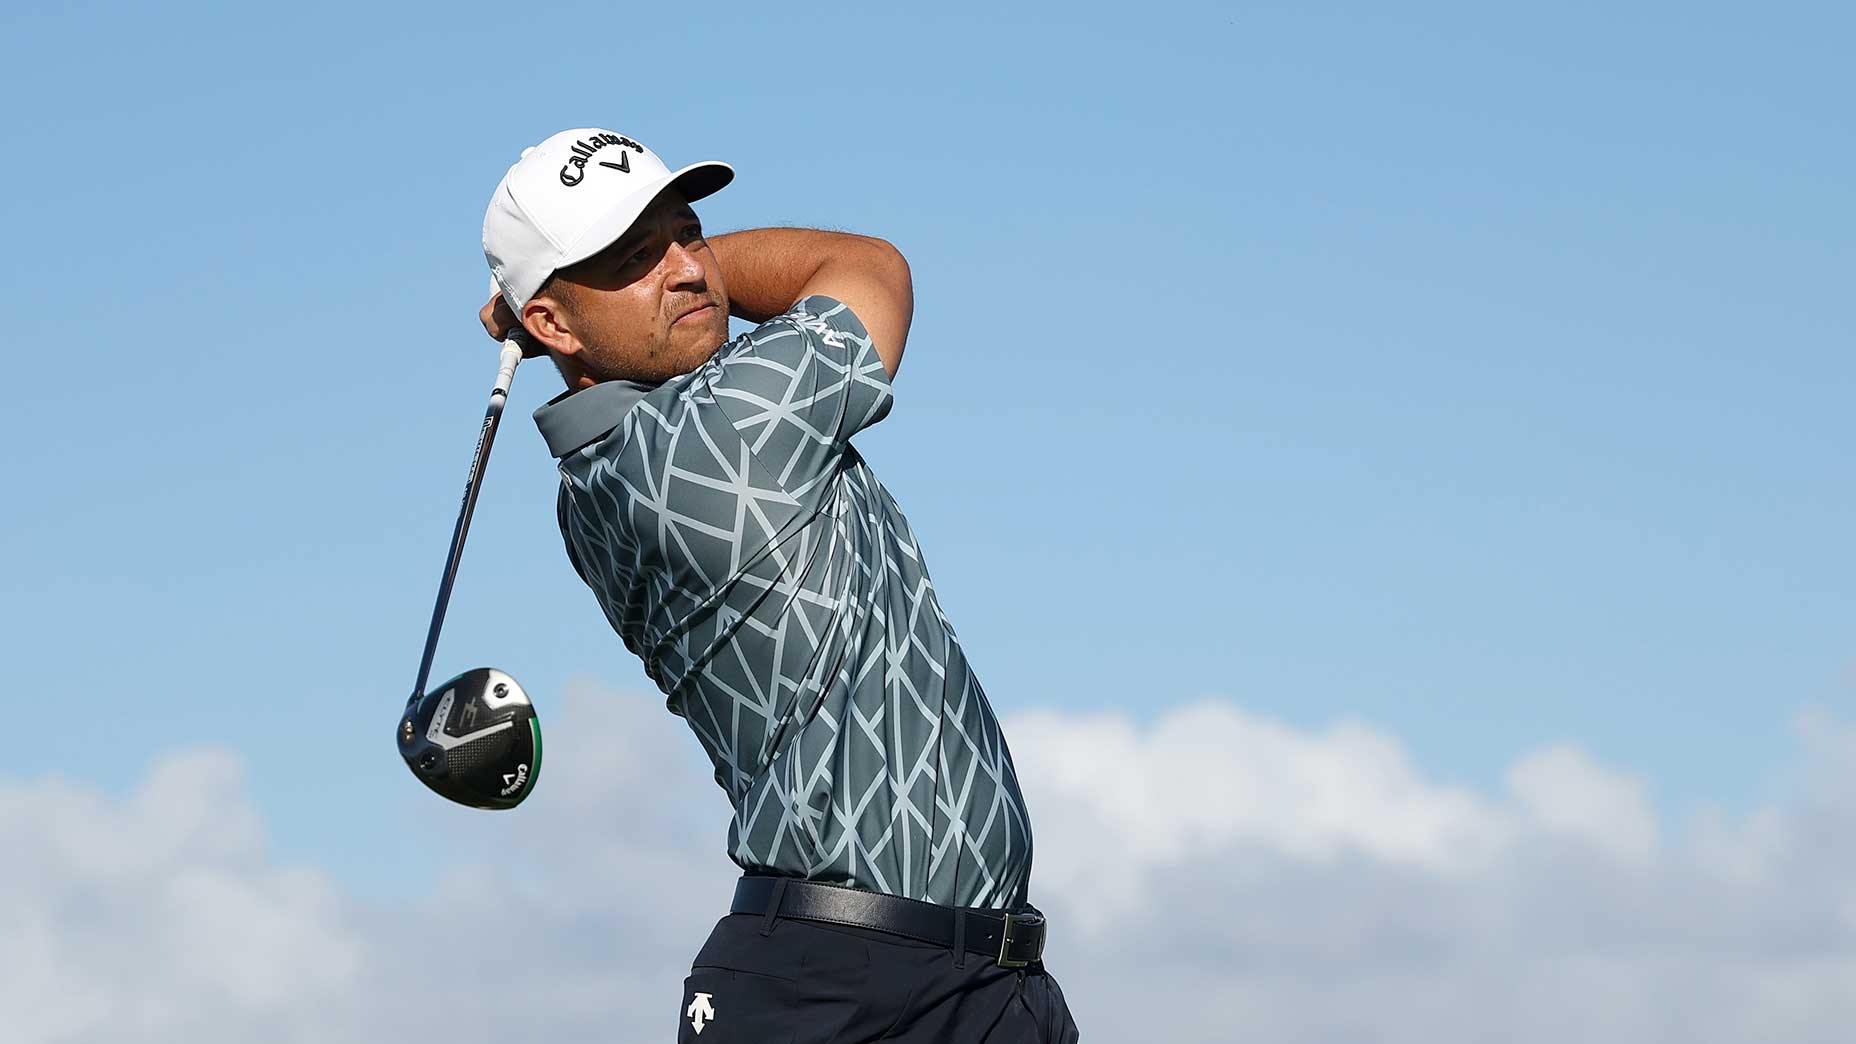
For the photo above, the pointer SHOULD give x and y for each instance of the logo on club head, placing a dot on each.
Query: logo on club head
(512, 781)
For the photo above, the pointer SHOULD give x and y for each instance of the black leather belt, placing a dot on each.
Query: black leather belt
(1013, 939)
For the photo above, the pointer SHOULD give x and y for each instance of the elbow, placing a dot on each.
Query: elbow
(888, 264)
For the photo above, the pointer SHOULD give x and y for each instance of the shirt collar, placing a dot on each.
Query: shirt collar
(572, 419)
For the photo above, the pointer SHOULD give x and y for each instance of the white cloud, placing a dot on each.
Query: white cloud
(1212, 875)
(1334, 893)
(160, 917)
(1209, 776)
(1564, 792)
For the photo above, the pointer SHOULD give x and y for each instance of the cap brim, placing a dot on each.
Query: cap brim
(702, 179)
(695, 182)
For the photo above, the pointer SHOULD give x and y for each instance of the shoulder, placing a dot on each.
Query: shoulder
(816, 330)
(829, 319)
(816, 318)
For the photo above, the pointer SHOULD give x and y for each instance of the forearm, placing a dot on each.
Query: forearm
(768, 269)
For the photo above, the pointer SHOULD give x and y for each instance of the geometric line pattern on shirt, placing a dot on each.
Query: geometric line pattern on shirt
(775, 592)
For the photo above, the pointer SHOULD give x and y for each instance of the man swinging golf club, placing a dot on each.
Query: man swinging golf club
(742, 548)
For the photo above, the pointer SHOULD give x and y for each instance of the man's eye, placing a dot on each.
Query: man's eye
(639, 258)
(692, 232)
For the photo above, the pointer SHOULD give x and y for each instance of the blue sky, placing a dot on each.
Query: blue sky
(1483, 376)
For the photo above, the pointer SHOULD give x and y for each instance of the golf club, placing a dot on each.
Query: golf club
(475, 739)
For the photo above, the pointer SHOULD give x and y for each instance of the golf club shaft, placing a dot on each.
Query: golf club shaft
(505, 375)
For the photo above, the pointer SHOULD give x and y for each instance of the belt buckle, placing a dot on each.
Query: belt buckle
(1005, 939)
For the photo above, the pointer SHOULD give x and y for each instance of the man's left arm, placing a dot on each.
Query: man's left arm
(768, 270)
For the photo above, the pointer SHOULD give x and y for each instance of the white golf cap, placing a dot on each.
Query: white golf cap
(570, 197)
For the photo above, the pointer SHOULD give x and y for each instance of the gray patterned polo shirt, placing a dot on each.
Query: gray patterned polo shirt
(743, 549)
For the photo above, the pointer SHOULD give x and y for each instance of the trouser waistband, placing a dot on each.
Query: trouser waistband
(1011, 938)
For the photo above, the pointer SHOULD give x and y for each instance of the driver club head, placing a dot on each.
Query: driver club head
(474, 740)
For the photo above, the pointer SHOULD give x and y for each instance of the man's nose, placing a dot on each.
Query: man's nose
(683, 267)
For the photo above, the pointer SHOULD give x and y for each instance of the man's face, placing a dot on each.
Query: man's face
(647, 308)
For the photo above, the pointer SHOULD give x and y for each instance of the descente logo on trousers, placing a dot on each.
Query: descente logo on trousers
(574, 170)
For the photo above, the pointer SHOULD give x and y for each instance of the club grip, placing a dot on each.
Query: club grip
(506, 372)
(512, 350)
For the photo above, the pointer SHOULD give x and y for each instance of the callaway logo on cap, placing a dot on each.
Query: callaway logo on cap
(570, 197)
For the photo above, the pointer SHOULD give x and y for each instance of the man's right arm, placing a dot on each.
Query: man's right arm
(769, 269)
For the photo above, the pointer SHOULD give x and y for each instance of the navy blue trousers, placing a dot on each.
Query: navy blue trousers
(796, 982)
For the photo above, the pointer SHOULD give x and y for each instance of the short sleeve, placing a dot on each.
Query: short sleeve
(799, 386)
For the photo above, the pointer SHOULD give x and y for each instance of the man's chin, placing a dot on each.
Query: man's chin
(701, 340)
(687, 352)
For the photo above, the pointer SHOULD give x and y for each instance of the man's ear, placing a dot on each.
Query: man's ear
(551, 325)
(547, 322)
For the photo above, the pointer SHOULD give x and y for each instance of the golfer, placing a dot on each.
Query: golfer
(741, 547)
